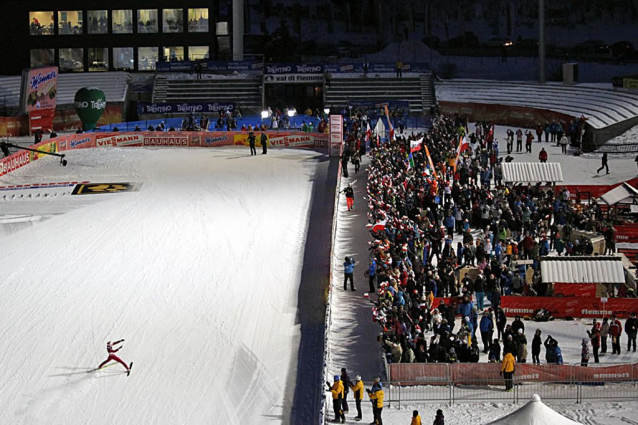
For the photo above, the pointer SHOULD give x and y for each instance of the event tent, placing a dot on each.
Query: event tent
(535, 412)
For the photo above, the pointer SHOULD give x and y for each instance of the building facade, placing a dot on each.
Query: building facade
(90, 36)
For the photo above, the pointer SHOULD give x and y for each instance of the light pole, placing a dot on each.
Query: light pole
(541, 41)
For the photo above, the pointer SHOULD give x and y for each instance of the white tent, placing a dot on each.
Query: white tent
(535, 412)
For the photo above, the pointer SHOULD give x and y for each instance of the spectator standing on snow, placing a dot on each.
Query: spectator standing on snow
(594, 335)
(604, 164)
(519, 140)
(348, 272)
(507, 370)
(536, 347)
(356, 160)
(584, 352)
(615, 330)
(604, 333)
(439, 419)
(529, 138)
(372, 274)
(487, 330)
(344, 164)
(501, 321)
(264, 143)
(416, 418)
(542, 156)
(494, 355)
(357, 392)
(337, 399)
(631, 327)
(553, 354)
(563, 142)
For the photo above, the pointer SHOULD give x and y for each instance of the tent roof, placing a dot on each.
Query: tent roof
(532, 172)
(582, 270)
(619, 194)
(535, 412)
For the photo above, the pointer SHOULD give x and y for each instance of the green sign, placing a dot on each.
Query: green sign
(90, 103)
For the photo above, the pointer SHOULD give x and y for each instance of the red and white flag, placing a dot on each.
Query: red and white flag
(368, 132)
(463, 146)
(379, 226)
(387, 115)
(415, 145)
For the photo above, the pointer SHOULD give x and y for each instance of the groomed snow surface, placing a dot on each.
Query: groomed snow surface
(198, 270)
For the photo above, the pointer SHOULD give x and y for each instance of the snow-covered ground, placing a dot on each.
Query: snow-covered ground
(198, 270)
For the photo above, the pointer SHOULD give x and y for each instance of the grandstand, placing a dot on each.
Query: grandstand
(244, 91)
(417, 89)
(609, 112)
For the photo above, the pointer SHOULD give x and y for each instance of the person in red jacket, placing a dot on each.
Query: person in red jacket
(111, 350)
(615, 330)
(542, 156)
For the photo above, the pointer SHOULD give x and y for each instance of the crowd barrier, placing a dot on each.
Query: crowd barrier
(564, 307)
(408, 374)
(276, 139)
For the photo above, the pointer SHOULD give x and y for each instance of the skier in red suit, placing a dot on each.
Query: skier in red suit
(112, 356)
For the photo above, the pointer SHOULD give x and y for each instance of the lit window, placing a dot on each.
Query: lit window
(42, 57)
(71, 60)
(70, 22)
(173, 54)
(122, 22)
(98, 22)
(197, 20)
(146, 58)
(98, 59)
(41, 23)
(173, 20)
(123, 58)
(196, 53)
(223, 39)
(147, 21)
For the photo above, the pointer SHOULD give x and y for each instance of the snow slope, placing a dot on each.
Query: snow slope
(198, 271)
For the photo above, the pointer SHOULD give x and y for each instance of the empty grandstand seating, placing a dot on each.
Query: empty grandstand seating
(603, 107)
(418, 90)
(245, 92)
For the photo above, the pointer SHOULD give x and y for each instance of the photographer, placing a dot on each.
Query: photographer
(348, 272)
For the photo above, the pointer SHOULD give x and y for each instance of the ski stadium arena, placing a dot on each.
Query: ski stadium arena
(218, 273)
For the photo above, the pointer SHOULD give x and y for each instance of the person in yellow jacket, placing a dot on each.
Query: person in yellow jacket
(416, 419)
(507, 370)
(337, 398)
(357, 390)
(376, 397)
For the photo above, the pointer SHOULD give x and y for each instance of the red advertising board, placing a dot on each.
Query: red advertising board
(575, 289)
(419, 373)
(577, 307)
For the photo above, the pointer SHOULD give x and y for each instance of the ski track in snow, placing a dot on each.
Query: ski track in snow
(198, 270)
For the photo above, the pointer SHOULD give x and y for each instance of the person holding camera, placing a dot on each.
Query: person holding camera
(348, 272)
(337, 399)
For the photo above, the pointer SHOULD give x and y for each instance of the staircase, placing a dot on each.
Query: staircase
(417, 90)
(244, 92)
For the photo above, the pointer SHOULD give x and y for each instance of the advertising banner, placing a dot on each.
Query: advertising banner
(346, 68)
(210, 66)
(528, 372)
(475, 373)
(40, 88)
(127, 139)
(336, 135)
(144, 108)
(575, 289)
(165, 139)
(596, 373)
(576, 307)
(293, 73)
(419, 373)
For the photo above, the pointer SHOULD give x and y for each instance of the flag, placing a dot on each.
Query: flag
(387, 115)
(379, 226)
(410, 161)
(427, 152)
(368, 132)
(463, 146)
(415, 145)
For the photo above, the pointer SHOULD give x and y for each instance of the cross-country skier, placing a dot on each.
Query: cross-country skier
(112, 356)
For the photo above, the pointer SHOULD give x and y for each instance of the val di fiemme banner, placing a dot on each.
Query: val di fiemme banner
(292, 139)
(41, 88)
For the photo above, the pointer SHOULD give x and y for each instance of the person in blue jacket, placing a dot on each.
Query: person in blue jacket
(465, 307)
(486, 326)
(348, 272)
(372, 273)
